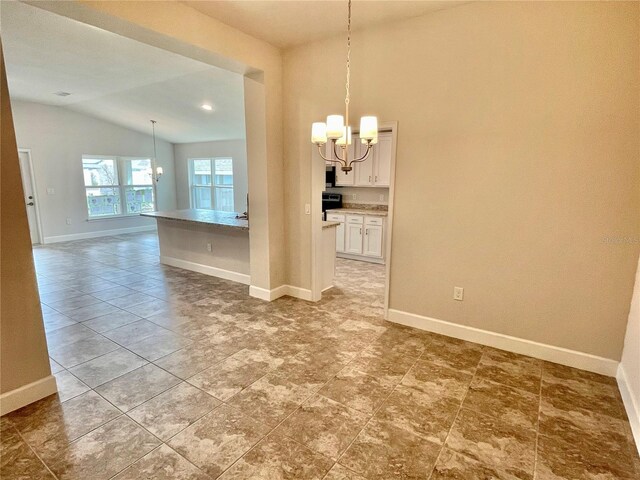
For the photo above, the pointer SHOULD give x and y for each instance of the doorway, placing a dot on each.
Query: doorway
(364, 230)
(30, 198)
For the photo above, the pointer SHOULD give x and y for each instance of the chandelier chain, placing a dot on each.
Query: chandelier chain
(346, 100)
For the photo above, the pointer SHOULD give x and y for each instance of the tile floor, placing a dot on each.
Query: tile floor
(168, 374)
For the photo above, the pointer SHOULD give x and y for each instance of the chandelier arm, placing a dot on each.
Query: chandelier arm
(343, 161)
(340, 161)
(363, 157)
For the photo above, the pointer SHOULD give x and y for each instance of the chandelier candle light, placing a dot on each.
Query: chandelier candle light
(337, 128)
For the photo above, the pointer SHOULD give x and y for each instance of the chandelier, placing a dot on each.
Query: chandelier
(337, 129)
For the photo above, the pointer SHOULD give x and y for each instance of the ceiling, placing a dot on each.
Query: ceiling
(117, 79)
(287, 23)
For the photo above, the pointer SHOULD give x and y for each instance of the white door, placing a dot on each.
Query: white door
(29, 195)
(382, 167)
(340, 237)
(373, 241)
(354, 238)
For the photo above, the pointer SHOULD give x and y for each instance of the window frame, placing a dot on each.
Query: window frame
(213, 185)
(121, 186)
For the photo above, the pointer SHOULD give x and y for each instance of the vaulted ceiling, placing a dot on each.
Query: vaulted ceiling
(287, 23)
(117, 79)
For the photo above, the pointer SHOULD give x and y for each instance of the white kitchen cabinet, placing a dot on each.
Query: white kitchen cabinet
(360, 237)
(372, 242)
(353, 234)
(375, 171)
(340, 230)
(382, 161)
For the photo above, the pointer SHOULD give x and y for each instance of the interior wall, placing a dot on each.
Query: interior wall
(236, 149)
(58, 137)
(629, 370)
(517, 162)
(23, 349)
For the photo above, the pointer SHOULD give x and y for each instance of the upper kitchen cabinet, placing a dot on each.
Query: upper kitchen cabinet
(375, 171)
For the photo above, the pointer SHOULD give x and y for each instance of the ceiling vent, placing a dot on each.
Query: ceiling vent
(62, 94)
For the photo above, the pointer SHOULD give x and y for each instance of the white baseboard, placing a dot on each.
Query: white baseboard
(207, 270)
(301, 293)
(27, 394)
(282, 290)
(631, 404)
(99, 233)
(268, 295)
(551, 353)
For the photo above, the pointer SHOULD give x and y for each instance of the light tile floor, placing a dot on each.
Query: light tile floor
(168, 374)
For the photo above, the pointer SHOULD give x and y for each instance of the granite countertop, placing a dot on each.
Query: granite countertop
(206, 217)
(360, 211)
(326, 224)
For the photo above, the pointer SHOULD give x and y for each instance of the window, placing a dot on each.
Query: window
(117, 185)
(211, 181)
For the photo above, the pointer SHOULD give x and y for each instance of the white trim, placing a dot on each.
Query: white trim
(98, 233)
(388, 228)
(301, 293)
(631, 404)
(551, 353)
(268, 295)
(207, 270)
(27, 394)
(282, 290)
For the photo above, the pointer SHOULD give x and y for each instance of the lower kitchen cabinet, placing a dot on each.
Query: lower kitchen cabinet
(372, 242)
(359, 237)
(354, 239)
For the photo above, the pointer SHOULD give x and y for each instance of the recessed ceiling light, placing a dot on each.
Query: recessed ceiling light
(62, 94)
(207, 107)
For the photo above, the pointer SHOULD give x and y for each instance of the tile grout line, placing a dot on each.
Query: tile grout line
(34, 451)
(293, 412)
(380, 406)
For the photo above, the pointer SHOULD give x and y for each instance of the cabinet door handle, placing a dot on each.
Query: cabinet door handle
(369, 178)
(366, 231)
(360, 230)
(376, 178)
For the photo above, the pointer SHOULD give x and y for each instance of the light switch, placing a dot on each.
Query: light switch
(307, 209)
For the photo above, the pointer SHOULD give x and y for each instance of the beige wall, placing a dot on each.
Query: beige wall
(518, 153)
(57, 138)
(181, 29)
(23, 348)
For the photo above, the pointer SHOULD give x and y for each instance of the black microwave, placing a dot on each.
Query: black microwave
(330, 177)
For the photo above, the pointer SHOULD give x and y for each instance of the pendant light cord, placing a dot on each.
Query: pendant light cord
(153, 131)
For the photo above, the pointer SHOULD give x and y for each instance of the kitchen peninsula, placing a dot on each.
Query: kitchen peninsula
(206, 241)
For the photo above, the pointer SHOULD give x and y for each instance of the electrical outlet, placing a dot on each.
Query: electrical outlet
(68, 220)
(354, 196)
(382, 197)
(458, 293)
(51, 191)
(307, 209)
(209, 247)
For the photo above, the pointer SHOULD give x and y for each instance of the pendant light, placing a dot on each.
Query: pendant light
(337, 129)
